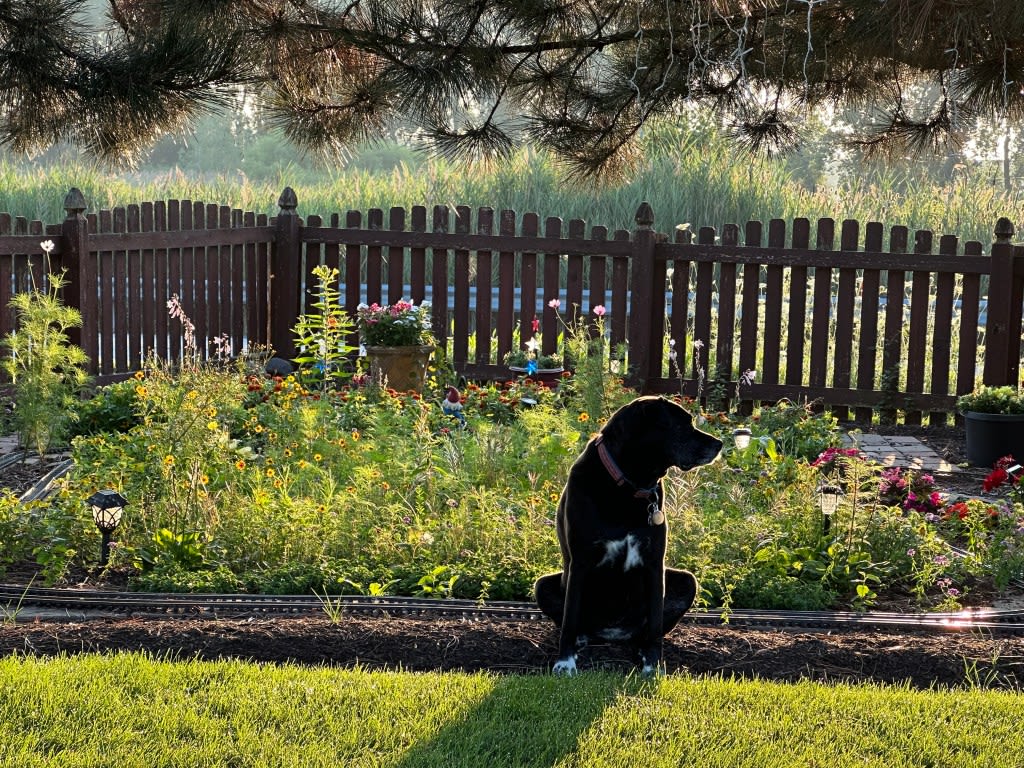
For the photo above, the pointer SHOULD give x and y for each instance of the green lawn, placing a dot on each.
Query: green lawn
(131, 710)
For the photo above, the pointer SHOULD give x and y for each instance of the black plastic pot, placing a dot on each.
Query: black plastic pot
(990, 436)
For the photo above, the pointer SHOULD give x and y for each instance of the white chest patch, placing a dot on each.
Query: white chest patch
(627, 548)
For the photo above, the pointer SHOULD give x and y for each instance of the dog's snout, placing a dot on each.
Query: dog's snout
(714, 448)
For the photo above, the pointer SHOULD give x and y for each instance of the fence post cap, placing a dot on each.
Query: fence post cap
(74, 203)
(288, 202)
(1004, 230)
(644, 215)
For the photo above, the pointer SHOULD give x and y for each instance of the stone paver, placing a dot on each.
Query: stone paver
(898, 451)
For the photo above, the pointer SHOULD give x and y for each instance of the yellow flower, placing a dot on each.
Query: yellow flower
(303, 463)
(270, 471)
(139, 375)
(258, 428)
(278, 483)
(240, 464)
(192, 394)
(168, 460)
(141, 391)
(211, 413)
(584, 417)
(287, 452)
(355, 434)
(212, 426)
(317, 457)
(204, 479)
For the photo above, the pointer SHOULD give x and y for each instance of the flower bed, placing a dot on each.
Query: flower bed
(241, 482)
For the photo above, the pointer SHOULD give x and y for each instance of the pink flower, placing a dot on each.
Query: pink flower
(555, 303)
(599, 310)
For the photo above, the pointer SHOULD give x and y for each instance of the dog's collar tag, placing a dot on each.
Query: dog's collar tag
(654, 514)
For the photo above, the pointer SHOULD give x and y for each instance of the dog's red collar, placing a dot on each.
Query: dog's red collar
(651, 494)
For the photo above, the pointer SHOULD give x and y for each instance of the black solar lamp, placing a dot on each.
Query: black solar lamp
(106, 513)
(828, 500)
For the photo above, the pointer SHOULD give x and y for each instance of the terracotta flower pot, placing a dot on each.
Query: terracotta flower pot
(401, 368)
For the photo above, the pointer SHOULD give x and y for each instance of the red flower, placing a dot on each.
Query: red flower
(960, 509)
(994, 480)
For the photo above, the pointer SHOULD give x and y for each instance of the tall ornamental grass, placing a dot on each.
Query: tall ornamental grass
(689, 173)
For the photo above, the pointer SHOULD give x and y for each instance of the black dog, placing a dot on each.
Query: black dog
(611, 529)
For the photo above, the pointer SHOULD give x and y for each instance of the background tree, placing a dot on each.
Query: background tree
(581, 77)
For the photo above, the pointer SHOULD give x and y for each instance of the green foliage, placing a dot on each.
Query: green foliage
(113, 408)
(47, 370)
(1004, 399)
(768, 589)
(797, 430)
(179, 550)
(322, 336)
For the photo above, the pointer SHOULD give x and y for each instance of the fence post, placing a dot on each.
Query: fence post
(1000, 342)
(285, 278)
(642, 316)
(80, 291)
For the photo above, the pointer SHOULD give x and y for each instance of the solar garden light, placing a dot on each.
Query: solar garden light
(106, 513)
(828, 500)
(741, 437)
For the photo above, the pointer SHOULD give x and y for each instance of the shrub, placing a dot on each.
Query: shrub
(47, 371)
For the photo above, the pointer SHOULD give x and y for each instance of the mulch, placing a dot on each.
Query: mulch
(921, 660)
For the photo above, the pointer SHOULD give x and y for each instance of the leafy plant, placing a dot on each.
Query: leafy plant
(986, 399)
(113, 408)
(183, 550)
(322, 336)
(46, 369)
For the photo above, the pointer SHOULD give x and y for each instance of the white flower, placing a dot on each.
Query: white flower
(47, 246)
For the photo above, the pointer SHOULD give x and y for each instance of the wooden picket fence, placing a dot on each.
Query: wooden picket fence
(882, 323)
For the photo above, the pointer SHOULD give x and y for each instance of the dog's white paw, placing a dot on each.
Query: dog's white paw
(652, 670)
(565, 667)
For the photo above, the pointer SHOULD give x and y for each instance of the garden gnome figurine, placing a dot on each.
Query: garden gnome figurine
(452, 405)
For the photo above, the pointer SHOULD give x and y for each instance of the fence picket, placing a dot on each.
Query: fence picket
(892, 344)
(484, 265)
(868, 348)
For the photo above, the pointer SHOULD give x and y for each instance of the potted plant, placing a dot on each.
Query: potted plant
(397, 341)
(529, 361)
(994, 418)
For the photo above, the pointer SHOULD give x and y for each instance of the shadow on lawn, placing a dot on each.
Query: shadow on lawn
(523, 723)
